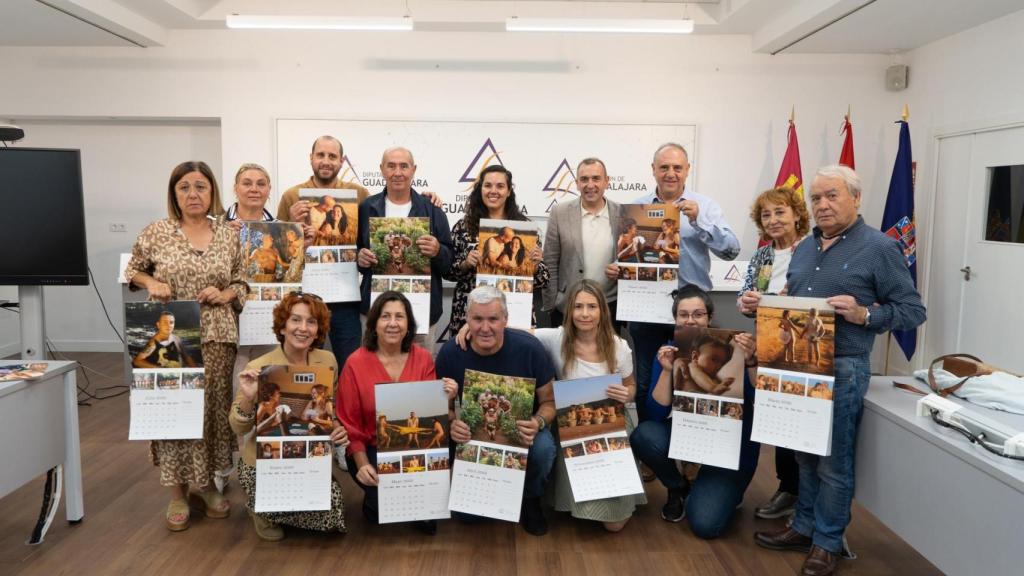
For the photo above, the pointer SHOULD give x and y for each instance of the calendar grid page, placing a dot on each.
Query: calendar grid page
(647, 248)
(400, 264)
(412, 451)
(330, 269)
(293, 421)
(707, 396)
(593, 439)
(796, 374)
(168, 379)
(490, 470)
(506, 262)
(274, 255)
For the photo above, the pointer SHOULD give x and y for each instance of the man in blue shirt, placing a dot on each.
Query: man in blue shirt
(497, 350)
(863, 275)
(702, 230)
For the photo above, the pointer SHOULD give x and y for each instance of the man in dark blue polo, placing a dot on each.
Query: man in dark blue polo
(400, 200)
(864, 276)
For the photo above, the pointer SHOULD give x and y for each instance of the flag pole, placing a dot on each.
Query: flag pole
(888, 338)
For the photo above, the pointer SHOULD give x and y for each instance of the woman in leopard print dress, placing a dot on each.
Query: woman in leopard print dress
(190, 255)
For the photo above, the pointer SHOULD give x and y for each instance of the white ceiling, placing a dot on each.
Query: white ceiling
(792, 26)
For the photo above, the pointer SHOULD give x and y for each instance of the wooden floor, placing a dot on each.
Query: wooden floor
(123, 530)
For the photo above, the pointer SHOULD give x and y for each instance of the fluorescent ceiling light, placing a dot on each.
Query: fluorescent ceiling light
(236, 21)
(629, 26)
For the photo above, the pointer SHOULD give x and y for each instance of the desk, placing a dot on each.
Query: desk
(958, 505)
(40, 418)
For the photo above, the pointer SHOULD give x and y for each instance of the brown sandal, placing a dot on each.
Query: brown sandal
(177, 515)
(215, 505)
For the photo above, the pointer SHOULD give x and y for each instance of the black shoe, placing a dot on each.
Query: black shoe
(781, 504)
(674, 509)
(785, 539)
(428, 527)
(532, 517)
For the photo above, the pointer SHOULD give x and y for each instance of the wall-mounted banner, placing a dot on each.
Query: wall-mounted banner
(449, 155)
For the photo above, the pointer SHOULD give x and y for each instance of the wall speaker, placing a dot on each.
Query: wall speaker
(896, 77)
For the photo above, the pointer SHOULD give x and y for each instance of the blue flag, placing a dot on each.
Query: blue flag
(898, 221)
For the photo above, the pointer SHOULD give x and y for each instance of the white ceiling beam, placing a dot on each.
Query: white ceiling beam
(801, 19)
(114, 19)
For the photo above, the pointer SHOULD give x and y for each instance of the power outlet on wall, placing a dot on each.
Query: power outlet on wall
(118, 227)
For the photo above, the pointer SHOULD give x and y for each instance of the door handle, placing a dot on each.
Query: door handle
(967, 273)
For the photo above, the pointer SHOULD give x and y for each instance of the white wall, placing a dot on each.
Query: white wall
(124, 175)
(966, 82)
(740, 101)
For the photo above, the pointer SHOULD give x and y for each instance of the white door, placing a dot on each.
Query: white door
(991, 313)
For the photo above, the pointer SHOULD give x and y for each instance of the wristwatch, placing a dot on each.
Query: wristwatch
(867, 316)
(541, 422)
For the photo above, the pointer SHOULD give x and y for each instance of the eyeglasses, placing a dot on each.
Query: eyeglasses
(199, 188)
(697, 315)
(300, 295)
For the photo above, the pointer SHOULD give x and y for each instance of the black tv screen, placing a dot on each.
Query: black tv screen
(42, 218)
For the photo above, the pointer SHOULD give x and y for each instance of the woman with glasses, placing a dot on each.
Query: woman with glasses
(301, 321)
(192, 255)
(716, 492)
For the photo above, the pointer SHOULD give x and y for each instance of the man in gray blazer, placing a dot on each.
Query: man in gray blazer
(580, 241)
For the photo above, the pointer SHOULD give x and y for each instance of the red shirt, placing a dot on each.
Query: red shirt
(356, 404)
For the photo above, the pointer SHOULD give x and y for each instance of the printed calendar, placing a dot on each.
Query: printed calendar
(593, 440)
(647, 254)
(273, 255)
(412, 451)
(506, 262)
(490, 470)
(707, 397)
(796, 374)
(330, 270)
(168, 379)
(400, 264)
(294, 419)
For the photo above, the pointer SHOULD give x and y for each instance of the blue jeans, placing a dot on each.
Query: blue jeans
(715, 492)
(647, 339)
(826, 482)
(346, 332)
(538, 464)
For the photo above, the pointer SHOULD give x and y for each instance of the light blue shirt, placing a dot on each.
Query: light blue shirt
(710, 233)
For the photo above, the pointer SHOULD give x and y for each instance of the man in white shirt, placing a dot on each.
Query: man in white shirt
(580, 240)
(400, 200)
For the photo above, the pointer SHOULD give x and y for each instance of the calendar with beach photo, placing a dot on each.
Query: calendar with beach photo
(168, 379)
(330, 269)
(707, 397)
(593, 439)
(412, 451)
(489, 472)
(795, 375)
(294, 419)
(647, 247)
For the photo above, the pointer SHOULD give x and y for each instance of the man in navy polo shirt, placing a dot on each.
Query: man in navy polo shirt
(863, 275)
(507, 352)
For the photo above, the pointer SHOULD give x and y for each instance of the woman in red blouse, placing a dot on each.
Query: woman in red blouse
(387, 355)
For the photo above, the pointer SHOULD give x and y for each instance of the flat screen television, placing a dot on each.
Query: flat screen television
(42, 218)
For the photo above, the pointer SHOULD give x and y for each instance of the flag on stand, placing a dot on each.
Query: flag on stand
(898, 221)
(789, 172)
(846, 156)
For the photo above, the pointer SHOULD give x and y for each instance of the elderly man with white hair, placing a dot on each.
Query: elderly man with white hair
(863, 275)
(495, 349)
